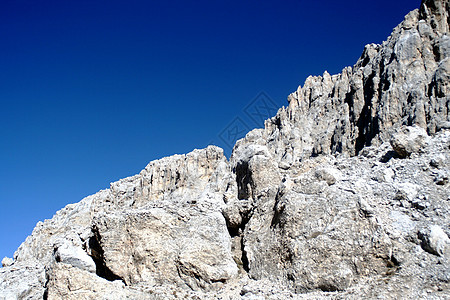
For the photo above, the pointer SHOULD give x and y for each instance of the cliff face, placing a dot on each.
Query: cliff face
(343, 194)
(404, 81)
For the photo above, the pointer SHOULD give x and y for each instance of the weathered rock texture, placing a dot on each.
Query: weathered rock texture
(344, 194)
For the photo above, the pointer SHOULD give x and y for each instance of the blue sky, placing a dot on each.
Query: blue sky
(91, 91)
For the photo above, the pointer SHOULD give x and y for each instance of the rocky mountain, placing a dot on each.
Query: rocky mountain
(343, 195)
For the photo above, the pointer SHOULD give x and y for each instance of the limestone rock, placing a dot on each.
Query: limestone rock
(6, 261)
(316, 236)
(329, 175)
(403, 81)
(317, 205)
(409, 140)
(71, 224)
(165, 225)
(22, 281)
(67, 282)
(76, 257)
(435, 240)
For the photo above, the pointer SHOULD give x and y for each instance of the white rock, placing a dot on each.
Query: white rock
(75, 256)
(407, 190)
(330, 175)
(6, 261)
(408, 140)
(435, 240)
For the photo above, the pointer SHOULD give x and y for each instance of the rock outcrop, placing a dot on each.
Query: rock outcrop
(344, 194)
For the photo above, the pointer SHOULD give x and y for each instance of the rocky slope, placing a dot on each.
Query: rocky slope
(344, 194)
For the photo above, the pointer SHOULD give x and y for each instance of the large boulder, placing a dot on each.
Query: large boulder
(408, 140)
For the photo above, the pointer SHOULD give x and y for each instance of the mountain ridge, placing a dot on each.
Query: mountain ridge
(344, 193)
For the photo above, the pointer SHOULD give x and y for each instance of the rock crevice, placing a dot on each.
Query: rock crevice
(97, 254)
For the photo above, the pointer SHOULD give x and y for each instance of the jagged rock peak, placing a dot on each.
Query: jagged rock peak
(403, 81)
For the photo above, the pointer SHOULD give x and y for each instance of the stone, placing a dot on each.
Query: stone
(438, 161)
(22, 281)
(407, 191)
(6, 261)
(434, 240)
(74, 256)
(67, 282)
(329, 175)
(441, 177)
(408, 140)
(168, 224)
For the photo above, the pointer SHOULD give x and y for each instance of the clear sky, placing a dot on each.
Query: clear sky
(91, 91)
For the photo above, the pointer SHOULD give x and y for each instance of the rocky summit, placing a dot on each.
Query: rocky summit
(344, 194)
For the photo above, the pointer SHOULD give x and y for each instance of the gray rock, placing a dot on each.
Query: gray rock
(6, 261)
(67, 282)
(22, 281)
(441, 177)
(408, 140)
(438, 161)
(435, 240)
(329, 175)
(74, 256)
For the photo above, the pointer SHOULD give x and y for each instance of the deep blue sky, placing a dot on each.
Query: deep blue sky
(91, 91)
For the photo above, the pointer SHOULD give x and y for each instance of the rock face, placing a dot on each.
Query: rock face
(404, 81)
(344, 194)
(359, 227)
